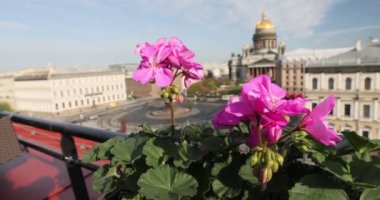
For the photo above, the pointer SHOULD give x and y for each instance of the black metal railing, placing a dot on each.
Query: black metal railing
(69, 153)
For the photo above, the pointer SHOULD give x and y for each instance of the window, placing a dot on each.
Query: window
(366, 111)
(365, 134)
(88, 101)
(82, 102)
(348, 83)
(69, 104)
(367, 83)
(63, 105)
(61, 93)
(331, 83)
(315, 83)
(56, 106)
(332, 112)
(76, 103)
(347, 110)
(313, 105)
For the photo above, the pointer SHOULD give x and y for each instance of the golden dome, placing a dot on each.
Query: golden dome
(264, 23)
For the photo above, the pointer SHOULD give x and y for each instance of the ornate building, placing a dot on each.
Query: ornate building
(261, 58)
(293, 63)
(354, 78)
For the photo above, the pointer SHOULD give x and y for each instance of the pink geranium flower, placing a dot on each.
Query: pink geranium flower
(164, 61)
(316, 125)
(273, 124)
(154, 65)
(180, 55)
(226, 118)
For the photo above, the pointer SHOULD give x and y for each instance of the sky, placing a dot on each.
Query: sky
(97, 33)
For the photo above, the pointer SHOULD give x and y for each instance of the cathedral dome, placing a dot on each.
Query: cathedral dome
(264, 23)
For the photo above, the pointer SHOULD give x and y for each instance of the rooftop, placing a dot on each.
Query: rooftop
(368, 55)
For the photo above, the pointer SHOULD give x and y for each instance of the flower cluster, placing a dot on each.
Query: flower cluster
(264, 106)
(266, 109)
(164, 61)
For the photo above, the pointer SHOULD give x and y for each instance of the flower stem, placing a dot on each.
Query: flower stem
(172, 115)
(259, 131)
(288, 134)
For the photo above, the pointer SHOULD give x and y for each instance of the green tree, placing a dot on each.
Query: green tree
(5, 106)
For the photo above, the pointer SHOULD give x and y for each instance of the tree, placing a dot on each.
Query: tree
(4, 106)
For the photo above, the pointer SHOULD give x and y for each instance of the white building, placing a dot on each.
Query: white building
(216, 70)
(354, 77)
(7, 89)
(292, 64)
(47, 91)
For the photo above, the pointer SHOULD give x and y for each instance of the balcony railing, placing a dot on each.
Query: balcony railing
(69, 152)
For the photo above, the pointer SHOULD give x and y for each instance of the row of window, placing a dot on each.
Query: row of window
(348, 111)
(89, 102)
(84, 80)
(348, 83)
(88, 90)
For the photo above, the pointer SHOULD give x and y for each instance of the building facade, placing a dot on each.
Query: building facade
(292, 65)
(354, 78)
(47, 91)
(7, 89)
(261, 58)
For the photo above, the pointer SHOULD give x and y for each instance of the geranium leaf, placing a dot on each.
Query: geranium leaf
(316, 187)
(129, 150)
(165, 183)
(361, 144)
(158, 150)
(246, 173)
(370, 194)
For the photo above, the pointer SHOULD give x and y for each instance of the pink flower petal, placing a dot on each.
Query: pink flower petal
(164, 77)
(143, 74)
(324, 108)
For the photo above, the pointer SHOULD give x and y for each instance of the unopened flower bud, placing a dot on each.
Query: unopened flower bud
(275, 167)
(179, 99)
(304, 148)
(280, 159)
(254, 159)
(270, 163)
(165, 95)
(267, 156)
(265, 175)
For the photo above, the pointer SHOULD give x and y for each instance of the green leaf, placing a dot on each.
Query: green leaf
(158, 150)
(213, 143)
(102, 151)
(316, 187)
(361, 144)
(371, 194)
(228, 182)
(202, 175)
(187, 154)
(146, 128)
(165, 183)
(223, 191)
(246, 173)
(334, 165)
(129, 150)
(102, 180)
(366, 173)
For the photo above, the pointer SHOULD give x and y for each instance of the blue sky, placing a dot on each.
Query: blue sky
(96, 33)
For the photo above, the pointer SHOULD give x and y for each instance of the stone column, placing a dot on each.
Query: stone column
(376, 110)
(338, 108)
(356, 109)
